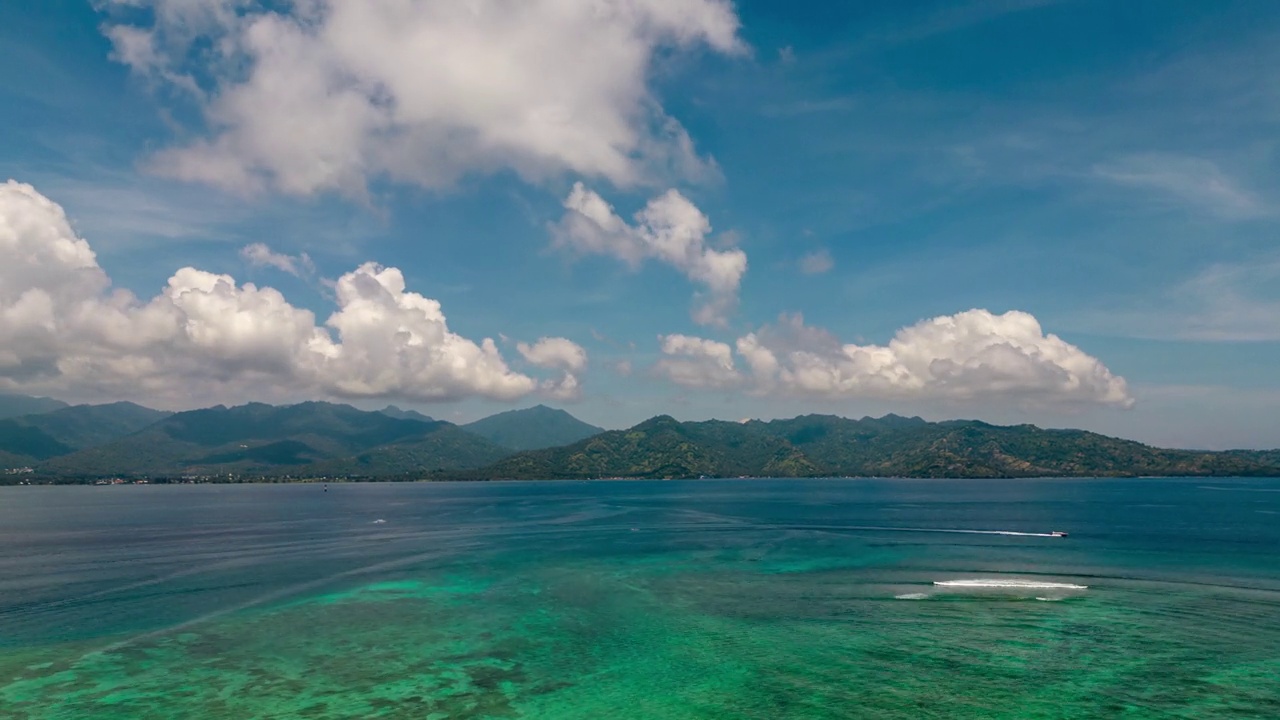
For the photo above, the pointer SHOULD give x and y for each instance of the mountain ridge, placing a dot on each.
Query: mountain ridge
(82, 426)
(532, 428)
(258, 439)
(828, 445)
(399, 414)
(42, 436)
(13, 405)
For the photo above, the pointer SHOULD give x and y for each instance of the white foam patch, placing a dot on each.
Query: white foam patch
(995, 583)
(912, 596)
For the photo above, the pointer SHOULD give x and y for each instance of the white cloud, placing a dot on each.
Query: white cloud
(322, 95)
(64, 329)
(557, 354)
(554, 352)
(396, 343)
(670, 229)
(697, 362)
(134, 47)
(816, 262)
(259, 255)
(968, 356)
(1185, 180)
(565, 388)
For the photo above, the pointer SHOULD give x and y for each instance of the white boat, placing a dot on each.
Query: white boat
(1057, 533)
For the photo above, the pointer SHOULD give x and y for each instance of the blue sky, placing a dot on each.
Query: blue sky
(1108, 169)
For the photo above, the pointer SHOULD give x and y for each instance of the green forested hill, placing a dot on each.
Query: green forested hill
(9, 460)
(442, 447)
(24, 444)
(258, 439)
(532, 428)
(30, 439)
(663, 447)
(823, 445)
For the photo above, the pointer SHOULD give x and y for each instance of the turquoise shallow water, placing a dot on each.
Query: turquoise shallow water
(708, 599)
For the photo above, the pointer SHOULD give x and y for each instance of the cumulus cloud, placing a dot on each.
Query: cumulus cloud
(697, 362)
(670, 229)
(64, 329)
(554, 352)
(557, 354)
(309, 96)
(565, 389)
(971, 355)
(816, 262)
(259, 255)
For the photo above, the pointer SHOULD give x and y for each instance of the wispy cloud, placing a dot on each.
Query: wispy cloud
(123, 210)
(259, 255)
(816, 262)
(1233, 302)
(1224, 302)
(954, 17)
(1185, 180)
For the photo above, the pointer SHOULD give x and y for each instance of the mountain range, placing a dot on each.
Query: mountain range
(258, 439)
(64, 429)
(827, 445)
(326, 440)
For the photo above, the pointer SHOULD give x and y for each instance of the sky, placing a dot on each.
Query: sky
(1023, 211)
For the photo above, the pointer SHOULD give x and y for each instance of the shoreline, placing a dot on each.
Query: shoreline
(97, 482)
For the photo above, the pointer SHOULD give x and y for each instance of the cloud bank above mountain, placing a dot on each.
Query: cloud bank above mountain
(63, 328)
(557, 354)
(968, 356)
(311, 96)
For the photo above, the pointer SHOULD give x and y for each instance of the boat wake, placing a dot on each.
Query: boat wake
(999, 584)
(1002, 587)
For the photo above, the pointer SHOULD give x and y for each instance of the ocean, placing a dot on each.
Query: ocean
(841, 598)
